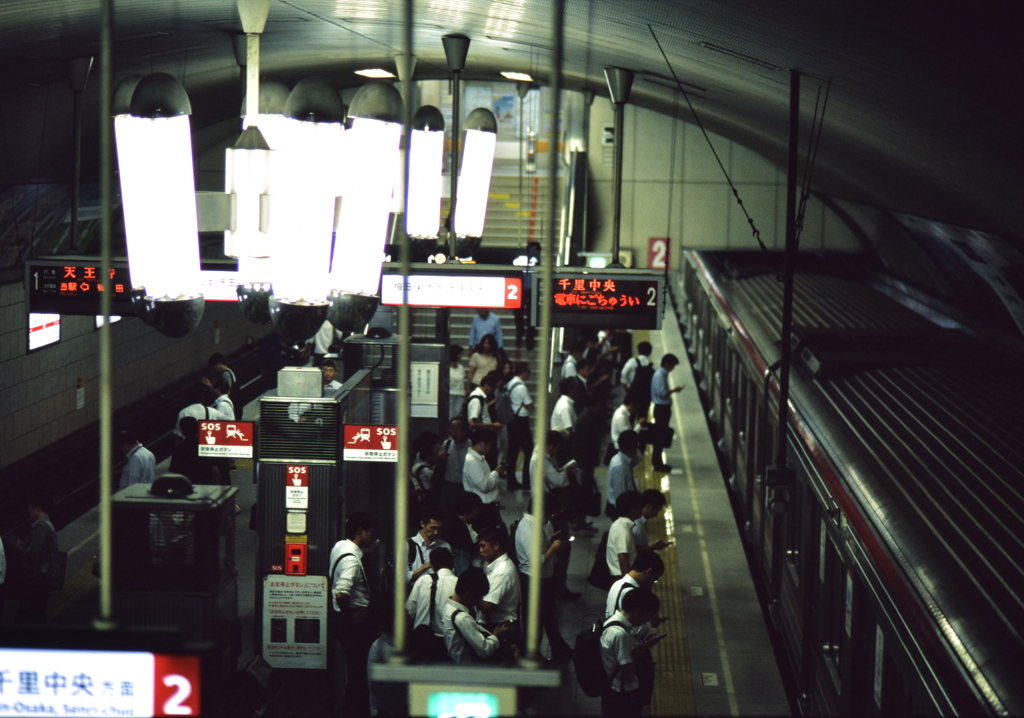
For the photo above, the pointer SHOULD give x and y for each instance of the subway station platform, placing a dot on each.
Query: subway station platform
(717, 658)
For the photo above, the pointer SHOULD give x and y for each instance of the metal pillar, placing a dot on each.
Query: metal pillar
(620, 82)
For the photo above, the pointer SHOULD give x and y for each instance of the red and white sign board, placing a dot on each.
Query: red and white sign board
(434, 290)
(657, 252)
(296, 492)
(98, 683)
(226, 439)
(371, 443)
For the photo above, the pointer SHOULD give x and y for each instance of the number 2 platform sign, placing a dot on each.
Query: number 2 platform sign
(619, 299)
(98, 683)
(371, 443)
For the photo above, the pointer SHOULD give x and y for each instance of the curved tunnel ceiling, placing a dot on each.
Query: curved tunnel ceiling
(924, 114)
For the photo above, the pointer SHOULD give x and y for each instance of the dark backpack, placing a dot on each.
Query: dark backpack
(586, 660)
(502, 409)
(641, 387)
(464, 411)
(600, 577)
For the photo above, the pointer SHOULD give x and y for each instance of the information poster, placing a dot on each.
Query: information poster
(423, 399)
(295, 621)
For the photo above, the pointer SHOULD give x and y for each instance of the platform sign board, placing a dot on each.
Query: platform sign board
(616, 299)
(295, 621)
(455, 290)
(658, 252)
(371, 443)
(296, 487)
(226, 439)
(74, 286)
(65, 682)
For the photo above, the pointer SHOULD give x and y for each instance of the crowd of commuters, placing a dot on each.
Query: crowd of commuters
(469, 572)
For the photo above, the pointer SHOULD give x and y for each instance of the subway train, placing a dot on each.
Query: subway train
(893, 563)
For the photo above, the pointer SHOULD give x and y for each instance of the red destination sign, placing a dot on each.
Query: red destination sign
(371, 443)
(226, 439)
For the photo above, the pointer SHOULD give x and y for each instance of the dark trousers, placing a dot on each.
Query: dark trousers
(355, 638)
(32, 606)
(662, 414)
(621, 705)
(519, 439)
(548, 611)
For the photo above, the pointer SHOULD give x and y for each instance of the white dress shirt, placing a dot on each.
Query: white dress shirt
(563, 418)
(620, 540)
(620, 477)
(617, 646)
(621, 421)
(504, 593)
(478, 477)
(569, 367)
(200, 412)
(332, 388)
(640, 533)
(420, 554)
(520, 397)
(618, 590)
(348, 576)
(140, 469)
(456, 460)
(524, 537)
(553, 478)
(418, 605)
(462, 634)
(477, 408)
(225, 406)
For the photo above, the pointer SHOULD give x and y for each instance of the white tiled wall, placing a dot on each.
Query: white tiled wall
(37, 390)
(672, 186)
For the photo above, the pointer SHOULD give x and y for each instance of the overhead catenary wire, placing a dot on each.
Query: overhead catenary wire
(812, 156)
(735, 192)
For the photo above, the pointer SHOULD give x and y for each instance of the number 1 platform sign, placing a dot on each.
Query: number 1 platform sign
(612, 299)
(371, 443)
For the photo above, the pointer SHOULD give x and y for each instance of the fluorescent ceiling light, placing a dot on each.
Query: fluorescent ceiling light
(518, 76)
(376, 73)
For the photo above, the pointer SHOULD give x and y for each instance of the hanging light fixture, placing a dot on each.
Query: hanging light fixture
(426, 162)
(475, 176)
(158, 197)
(372, 154)
(304, 186)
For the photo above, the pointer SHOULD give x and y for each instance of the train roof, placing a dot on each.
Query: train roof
(920, 417)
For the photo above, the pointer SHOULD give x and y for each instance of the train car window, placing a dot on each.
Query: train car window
(892, 694)
(835, 609)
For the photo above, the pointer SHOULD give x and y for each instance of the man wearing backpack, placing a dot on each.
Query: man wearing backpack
(425, 605)
(550, 547)
(520, 438)
(620, 649)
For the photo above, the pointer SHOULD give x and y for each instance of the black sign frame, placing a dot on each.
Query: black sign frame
(599, 306)
(44, 293)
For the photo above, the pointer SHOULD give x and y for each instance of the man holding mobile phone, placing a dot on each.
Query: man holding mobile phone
(621, 651)
(653, 502)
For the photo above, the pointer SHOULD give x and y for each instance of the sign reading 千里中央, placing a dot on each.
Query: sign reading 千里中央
(66, 682)
(633, 300)
(454, 290)
(75, 287)
(226, 439)
(371, 443)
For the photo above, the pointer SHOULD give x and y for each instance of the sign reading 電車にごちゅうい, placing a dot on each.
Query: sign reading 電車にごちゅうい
(226, 439)
(371, 443)
(633, 300)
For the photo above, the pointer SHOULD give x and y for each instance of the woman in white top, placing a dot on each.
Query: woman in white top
(484, 360)
(456, 381)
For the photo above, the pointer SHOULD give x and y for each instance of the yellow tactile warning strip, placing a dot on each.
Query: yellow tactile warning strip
(673, 682)
(243, 463)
